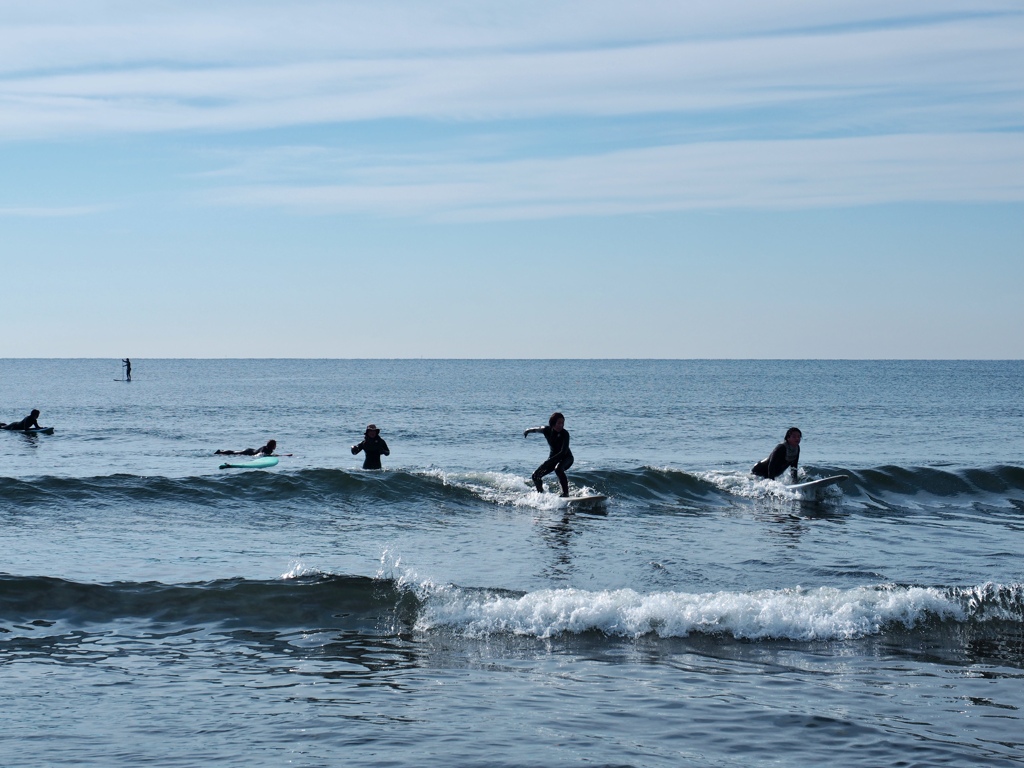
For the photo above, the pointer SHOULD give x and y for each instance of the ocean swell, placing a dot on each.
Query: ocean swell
(645, 487)
(375, 605)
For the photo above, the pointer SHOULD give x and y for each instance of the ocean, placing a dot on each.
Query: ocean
(156, 610)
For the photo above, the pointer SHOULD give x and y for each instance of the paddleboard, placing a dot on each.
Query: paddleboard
(261, 463)
(816, 485)
(33, 431)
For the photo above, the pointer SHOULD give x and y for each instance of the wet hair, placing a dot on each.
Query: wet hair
(791, 430)
(35, 412)
(555, 417)
(271, 444)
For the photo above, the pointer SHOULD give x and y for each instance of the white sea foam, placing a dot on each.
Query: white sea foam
(823, 613)
(298, 570)
(503, 488)
(750, 486)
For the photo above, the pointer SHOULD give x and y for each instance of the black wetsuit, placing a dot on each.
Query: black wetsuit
(559, 460)
(264, 451)
(29, 422)
(374, 447)
(776, 463)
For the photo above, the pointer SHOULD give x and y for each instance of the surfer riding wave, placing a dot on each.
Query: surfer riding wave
(560, 458)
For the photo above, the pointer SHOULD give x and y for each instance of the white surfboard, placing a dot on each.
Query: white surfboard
(585, 500)
(816, 485)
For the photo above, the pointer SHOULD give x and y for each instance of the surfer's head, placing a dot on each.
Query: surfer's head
(795, 433)
(372, 431)
(35, 413)
(555, 418)
(271, 444)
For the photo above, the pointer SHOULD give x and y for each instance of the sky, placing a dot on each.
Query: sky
(556, 179)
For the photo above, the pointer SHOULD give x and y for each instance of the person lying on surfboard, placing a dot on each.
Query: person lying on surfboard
(560, 458)
(266, 450)
(29, 422)
(373, 446)
(786, 454)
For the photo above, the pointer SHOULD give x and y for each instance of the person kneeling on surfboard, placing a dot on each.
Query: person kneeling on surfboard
(266, 450)
(373, 446)
(29, 422)
(786, 454)
(560, 458)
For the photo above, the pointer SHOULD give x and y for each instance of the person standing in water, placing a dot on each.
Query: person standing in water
(373, 446)
(29, 422)
(786, 454)
(127, 363)
(560, 458)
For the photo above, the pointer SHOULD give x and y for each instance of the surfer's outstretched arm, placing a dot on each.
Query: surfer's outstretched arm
(532, 430)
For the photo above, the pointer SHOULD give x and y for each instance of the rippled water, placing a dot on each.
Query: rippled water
(157, 610)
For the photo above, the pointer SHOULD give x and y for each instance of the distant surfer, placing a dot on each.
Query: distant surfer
(786, 454)
(29, 422)
(373, 447)
(127, 369)
(560, 458)
(266, 450)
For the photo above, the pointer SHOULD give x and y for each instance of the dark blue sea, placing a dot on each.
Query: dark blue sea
(158, 611)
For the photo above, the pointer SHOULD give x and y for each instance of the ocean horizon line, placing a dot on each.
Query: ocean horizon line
(569, 359)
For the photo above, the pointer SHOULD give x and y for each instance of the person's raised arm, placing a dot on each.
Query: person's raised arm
(531, 430)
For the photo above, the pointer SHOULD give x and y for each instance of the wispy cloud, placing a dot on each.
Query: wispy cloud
(179, 78)
(46, 212)
(841, 103)
(741, 174)
(53, 34)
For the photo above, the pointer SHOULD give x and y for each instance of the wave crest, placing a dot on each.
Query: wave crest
(795, 614)
(399, 605)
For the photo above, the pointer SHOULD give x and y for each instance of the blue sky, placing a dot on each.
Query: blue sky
(531, 179)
